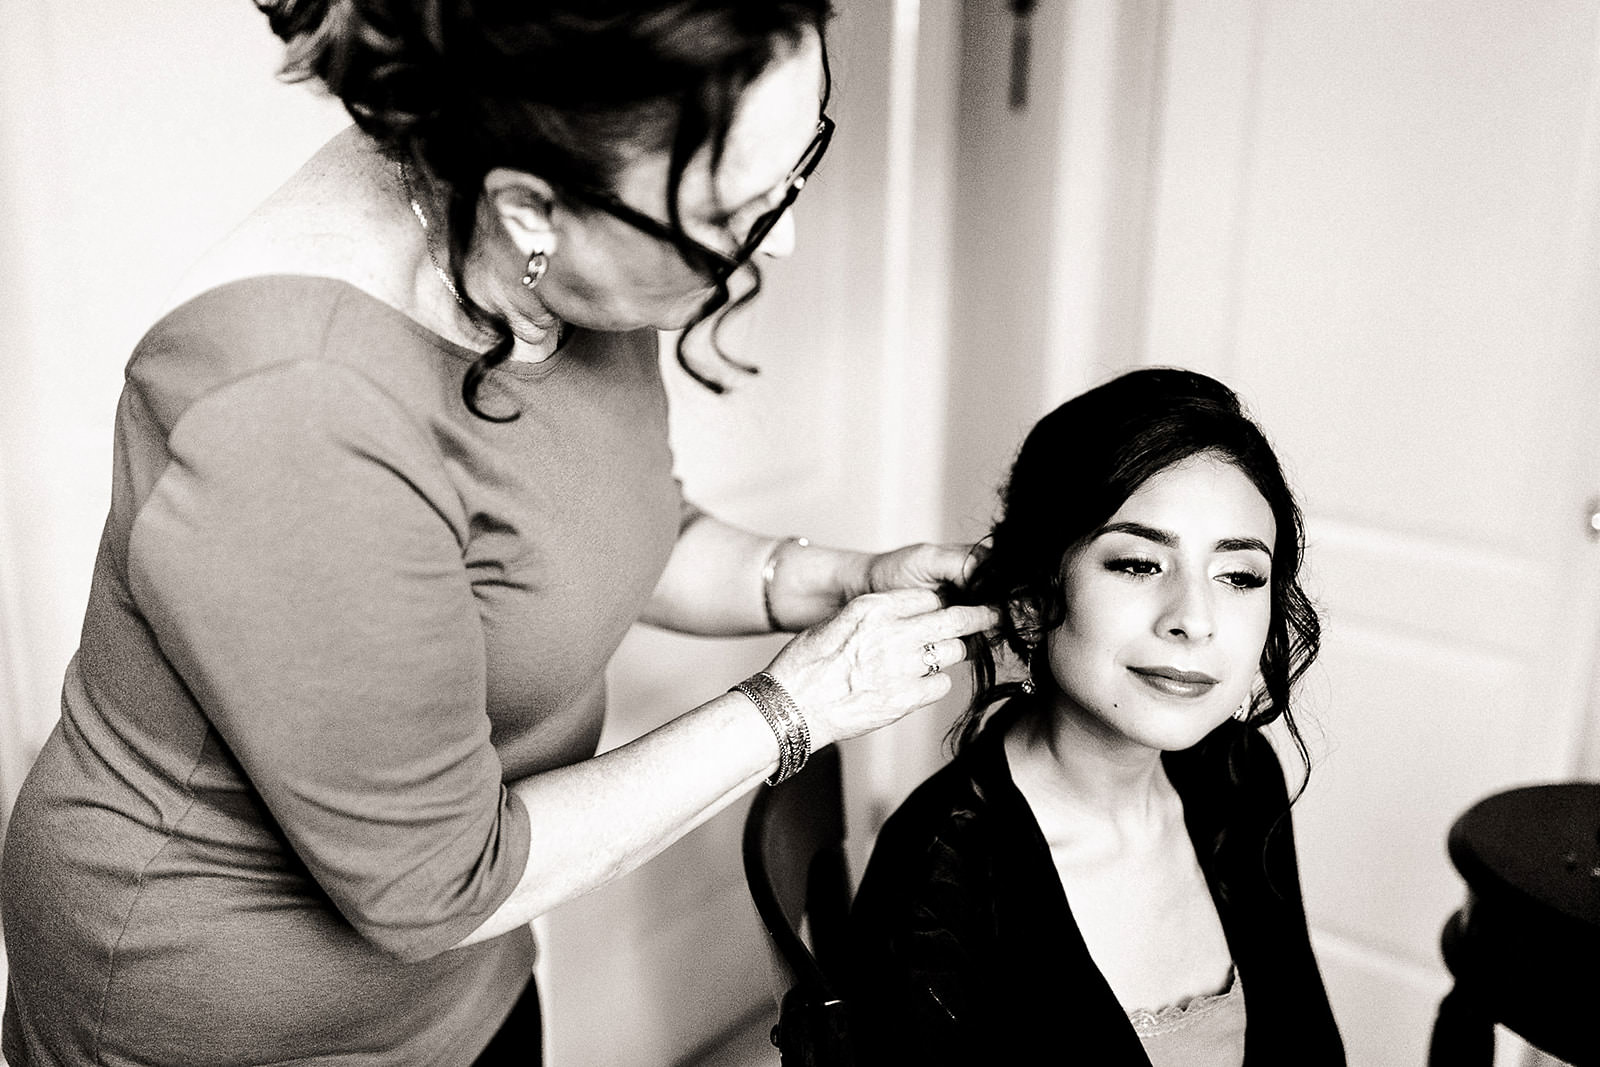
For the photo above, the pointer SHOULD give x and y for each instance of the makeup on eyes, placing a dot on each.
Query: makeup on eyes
(1139, 567)
(1167, 539)
(1244, 578)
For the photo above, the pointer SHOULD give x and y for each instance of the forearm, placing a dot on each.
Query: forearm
(603, 817)
(861, 669)
(713, 583)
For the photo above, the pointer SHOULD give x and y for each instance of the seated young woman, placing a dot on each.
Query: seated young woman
(1105, 874)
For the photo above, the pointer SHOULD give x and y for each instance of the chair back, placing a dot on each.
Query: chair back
(795, 864)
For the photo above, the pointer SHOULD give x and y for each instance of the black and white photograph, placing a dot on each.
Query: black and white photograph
(799, 533)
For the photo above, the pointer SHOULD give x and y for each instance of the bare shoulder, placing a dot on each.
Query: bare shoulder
(339, 216)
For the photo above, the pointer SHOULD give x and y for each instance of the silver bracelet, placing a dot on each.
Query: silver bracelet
(784, 718)
(769, 571)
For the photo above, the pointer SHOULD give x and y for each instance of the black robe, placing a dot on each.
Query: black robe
(965, 950)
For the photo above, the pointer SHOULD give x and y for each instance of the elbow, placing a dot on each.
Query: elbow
(405, 944)
(416, 931)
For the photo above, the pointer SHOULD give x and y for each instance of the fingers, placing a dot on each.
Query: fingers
(924, 691)
(975, 555)
(959, 621)
(921, 566)
(956, 621)
(945, 563)
(936, 656)
(896, 603)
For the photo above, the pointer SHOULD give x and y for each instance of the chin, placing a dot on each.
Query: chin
(678, 320)
(1166, 730)
(681, 317)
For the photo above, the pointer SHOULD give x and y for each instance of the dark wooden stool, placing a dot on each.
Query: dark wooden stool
(1525, 948)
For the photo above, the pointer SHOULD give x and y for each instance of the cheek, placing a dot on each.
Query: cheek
(638, 282)
(1084, 648)
(1105, 614)
(1248, 635)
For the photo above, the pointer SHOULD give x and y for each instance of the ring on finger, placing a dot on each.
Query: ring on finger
(930, 660)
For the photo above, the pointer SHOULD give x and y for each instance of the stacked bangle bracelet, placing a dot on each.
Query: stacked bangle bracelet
(783, 716)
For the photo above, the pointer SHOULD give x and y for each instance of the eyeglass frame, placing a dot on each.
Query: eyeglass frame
(721, 265)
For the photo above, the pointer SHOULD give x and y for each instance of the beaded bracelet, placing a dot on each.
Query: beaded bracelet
(784, 718)
(769, 571)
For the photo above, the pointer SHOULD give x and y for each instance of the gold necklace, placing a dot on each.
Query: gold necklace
(404, 173)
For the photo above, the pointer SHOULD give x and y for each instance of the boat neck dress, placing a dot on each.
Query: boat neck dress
(332, 615)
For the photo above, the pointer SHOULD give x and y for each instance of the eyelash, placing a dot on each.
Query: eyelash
(1127, 566)
(1131, 566)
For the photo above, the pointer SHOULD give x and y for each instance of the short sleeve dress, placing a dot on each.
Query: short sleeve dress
(333, 613)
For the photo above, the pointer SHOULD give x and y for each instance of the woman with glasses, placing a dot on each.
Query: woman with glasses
(390, 484)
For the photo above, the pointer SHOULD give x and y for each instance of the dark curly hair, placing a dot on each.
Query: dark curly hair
(569, 90)
(1076, 468)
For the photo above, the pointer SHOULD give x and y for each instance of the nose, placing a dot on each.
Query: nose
(779, 241)
(1188, 612)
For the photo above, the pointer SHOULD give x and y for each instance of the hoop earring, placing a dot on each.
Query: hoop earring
(538, 263)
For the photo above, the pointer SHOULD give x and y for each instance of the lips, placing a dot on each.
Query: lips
(1173, 682)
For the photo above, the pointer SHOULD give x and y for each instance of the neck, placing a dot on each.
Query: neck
(536, 332)
(1074, 763)
(486, 281)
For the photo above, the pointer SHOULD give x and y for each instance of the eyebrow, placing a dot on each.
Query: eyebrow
(1170, 540)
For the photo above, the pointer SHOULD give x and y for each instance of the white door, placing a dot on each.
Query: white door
(1378, 221)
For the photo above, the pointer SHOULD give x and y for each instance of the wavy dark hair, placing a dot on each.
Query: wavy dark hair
(1075, 469)
(569, 90)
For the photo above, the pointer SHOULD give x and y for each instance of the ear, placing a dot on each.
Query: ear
(523, 203)
(1024, 615)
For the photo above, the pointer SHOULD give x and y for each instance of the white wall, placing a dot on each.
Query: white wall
(132, 136)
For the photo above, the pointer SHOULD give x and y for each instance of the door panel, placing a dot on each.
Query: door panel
(1378, 222)
(1402, 294)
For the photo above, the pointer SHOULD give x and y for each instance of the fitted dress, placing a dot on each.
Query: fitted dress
(333, 615)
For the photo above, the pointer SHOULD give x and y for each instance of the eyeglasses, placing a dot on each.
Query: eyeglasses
(709, 261)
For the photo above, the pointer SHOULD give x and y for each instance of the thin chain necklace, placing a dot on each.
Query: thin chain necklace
(404, 172)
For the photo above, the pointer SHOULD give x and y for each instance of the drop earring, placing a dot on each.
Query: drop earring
(1028, 686)
(538, 263)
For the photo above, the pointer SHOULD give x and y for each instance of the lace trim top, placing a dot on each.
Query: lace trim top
(1207, 1031)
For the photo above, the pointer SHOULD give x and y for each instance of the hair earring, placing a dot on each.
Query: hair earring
(538, 263)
